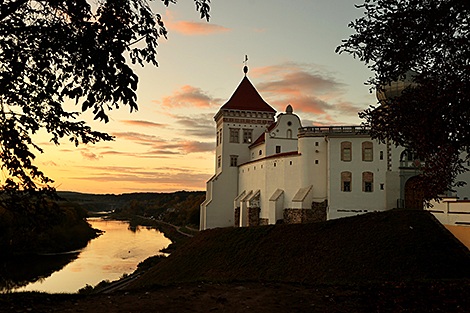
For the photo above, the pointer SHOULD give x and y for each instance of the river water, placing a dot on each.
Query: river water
(108, 257)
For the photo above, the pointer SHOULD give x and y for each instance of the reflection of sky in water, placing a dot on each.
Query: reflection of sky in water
(114, 253)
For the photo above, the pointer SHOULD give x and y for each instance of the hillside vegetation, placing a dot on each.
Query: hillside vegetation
(397, 245)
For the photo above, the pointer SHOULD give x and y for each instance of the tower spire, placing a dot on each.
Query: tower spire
(245, 68)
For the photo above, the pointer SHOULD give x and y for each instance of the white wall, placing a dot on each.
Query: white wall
(356, 201)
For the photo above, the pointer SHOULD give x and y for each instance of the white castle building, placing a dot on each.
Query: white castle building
(270, 169)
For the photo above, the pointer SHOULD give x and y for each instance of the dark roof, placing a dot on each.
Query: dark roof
(246, 97)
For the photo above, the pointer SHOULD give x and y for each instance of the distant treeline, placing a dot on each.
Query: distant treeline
(178, 208)
(43, 227)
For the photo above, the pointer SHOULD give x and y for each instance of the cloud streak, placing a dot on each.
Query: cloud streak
(188, 96)
(192, 28)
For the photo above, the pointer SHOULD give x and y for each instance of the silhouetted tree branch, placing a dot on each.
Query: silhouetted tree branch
(431, 117)
(51, 51)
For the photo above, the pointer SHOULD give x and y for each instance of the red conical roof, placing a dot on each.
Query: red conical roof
(247, 98)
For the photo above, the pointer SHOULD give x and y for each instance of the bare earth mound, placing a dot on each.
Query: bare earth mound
(398, 245)
(396, 261)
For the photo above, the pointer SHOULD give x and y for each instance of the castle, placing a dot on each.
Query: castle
(270, 169)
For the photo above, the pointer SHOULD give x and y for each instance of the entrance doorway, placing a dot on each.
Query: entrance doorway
(413, 194)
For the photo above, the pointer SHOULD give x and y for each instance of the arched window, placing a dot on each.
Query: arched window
(289, 133)
(346, 181)
(367, 181)
(367, 151)
(346, 151)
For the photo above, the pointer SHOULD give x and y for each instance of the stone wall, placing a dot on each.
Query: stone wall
(319, 211)
(237, 217)
(316, 214)
(253, 216)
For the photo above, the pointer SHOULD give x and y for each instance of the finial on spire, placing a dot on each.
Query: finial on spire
(245, 68)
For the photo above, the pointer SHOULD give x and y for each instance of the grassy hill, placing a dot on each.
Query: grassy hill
(397, 245)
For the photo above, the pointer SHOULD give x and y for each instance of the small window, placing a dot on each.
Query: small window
(381, 155)
(316, 161)
(278, 149)
(316, 143)
(217, 141)
(346, 178)
(381, 186)
(247, 135)
(347, 154)
(260, 152)
(346, 151)
(233, 160)
(290, 162)
(234, 132)
(219, 161)
(274, 164)
(367, 151)
(289, 123)
(367, 182)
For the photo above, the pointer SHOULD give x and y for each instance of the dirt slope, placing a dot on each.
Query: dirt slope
(398, 245)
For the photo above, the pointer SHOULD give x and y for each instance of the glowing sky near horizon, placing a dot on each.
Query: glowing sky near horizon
(169, 143)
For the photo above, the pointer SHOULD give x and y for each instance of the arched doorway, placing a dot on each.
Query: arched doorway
(413, 194)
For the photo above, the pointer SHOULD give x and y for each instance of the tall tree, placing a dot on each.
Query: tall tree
(431, 117)
(53, 50)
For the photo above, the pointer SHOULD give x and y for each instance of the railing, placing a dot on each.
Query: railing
(304, 131)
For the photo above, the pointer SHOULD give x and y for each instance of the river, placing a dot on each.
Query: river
(108, 257)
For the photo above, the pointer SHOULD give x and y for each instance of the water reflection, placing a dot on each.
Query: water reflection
(19, 271)
(107, 257)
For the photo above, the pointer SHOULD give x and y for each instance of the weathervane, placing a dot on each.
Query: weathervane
(245, 68)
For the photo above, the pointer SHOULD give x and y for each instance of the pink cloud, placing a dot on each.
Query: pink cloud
(87, 155)
(187, 96)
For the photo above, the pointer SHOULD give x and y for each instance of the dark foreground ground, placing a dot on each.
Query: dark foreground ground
(394, 261)
(257, 297)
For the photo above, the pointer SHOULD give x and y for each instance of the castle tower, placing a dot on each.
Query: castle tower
(241, 120)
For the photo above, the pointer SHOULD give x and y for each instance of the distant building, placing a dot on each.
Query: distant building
(269, 169)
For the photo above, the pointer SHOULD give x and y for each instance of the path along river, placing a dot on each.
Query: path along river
(108, 257)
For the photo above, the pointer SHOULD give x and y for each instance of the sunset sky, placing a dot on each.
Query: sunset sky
(168, 144)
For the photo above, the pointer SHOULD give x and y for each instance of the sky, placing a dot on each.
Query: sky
(168, 144)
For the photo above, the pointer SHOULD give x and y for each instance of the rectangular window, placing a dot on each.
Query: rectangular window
(278, 149)
(219, 161)
(217, 142)
(381, 155)
(367, 154)
(346, 151)
(220, 136)
(367, 151)
(367, 182)
(346, 178)
(247, 135)
(234, 135)
(233, 160)
(347, 154)
(381, 186)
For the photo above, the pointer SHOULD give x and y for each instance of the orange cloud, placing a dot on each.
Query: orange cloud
(187, 96)
(196, 28)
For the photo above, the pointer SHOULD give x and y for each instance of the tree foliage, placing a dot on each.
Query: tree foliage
(431, 117)
(54, 50)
